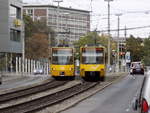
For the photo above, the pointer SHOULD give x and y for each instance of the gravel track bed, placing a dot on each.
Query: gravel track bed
(48, 100)
(38, 95)
(31, 90)
(78, 98)
(28, 83)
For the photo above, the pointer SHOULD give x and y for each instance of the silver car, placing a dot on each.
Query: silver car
(137, 68)
(38, 71)
(142, 102)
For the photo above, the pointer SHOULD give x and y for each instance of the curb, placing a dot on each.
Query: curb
(2, 92)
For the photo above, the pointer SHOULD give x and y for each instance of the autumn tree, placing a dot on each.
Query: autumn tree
(38, 38)
(38, 46)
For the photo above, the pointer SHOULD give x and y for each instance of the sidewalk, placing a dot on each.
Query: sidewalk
(24, 74)
(13, 82)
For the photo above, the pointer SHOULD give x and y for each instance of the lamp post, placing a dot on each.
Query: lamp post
(118, 35)
(66, 17)
(58, 7)
(23, 47)
(108, 31)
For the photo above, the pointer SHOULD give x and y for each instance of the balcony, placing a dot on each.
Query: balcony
(17, 22)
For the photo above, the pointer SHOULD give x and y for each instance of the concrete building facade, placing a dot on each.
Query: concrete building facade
(68, 23)
(11, 28)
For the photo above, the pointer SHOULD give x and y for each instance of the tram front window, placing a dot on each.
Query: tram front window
(62, 57)
(92, 56)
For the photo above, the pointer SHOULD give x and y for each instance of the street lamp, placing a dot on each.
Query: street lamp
(108, 31)
(23, 47)
(64, 18)
(57, 23)
(67, 30)
(118, 32)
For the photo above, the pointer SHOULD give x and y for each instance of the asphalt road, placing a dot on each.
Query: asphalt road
(116, 98)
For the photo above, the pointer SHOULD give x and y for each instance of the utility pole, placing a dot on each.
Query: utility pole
(95, 36)
(67, 29)
(125, 32)
(108, 31)
(118, 35)
(23, 49)
(58, 7)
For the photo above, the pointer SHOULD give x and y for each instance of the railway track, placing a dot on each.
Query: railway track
(48, 99)
(42, 102)
(30, 90)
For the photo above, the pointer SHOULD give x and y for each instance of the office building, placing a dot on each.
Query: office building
(69, 24)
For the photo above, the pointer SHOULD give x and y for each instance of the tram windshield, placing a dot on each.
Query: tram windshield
(62, 56)
(92, 56)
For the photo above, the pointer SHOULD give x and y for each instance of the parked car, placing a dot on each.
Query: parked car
(136, 68)
(142, 102)
(38, 71)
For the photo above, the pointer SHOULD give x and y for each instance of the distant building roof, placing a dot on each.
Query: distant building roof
(70, 8)
(119, 39)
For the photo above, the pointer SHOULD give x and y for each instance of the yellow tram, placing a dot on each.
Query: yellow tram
(62, 62)
(92, 62)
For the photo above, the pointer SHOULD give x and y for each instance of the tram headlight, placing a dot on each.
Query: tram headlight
(70, 69)
(53, 68)
(82, 70)
(102, 70)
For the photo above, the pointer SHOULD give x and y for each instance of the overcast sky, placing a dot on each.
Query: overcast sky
(135, 13)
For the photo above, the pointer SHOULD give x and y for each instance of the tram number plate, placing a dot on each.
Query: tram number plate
(62, 75)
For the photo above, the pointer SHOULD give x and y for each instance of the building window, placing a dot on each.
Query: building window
(15, 35)
(15, 12)
(29, 12)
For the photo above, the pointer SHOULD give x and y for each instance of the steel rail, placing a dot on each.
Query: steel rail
(48, 100)
(30, 90)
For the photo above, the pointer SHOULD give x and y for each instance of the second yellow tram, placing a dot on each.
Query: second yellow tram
(92, 62)
(62, 62)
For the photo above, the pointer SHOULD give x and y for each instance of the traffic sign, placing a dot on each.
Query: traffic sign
(128, 57)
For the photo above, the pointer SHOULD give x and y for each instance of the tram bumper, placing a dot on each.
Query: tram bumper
(92, 70)
(62, 70)
(92, 73)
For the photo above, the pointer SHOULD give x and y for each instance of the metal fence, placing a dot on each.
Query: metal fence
(27, 66)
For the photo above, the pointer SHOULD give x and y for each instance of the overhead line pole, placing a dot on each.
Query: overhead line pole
(58, 7)
(108, 32)
(118, 35)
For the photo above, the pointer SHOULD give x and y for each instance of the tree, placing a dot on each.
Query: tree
(38, 46)
(38, 38)
(146, 58)
(93, 38)
(134, 45)
(29, 26)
